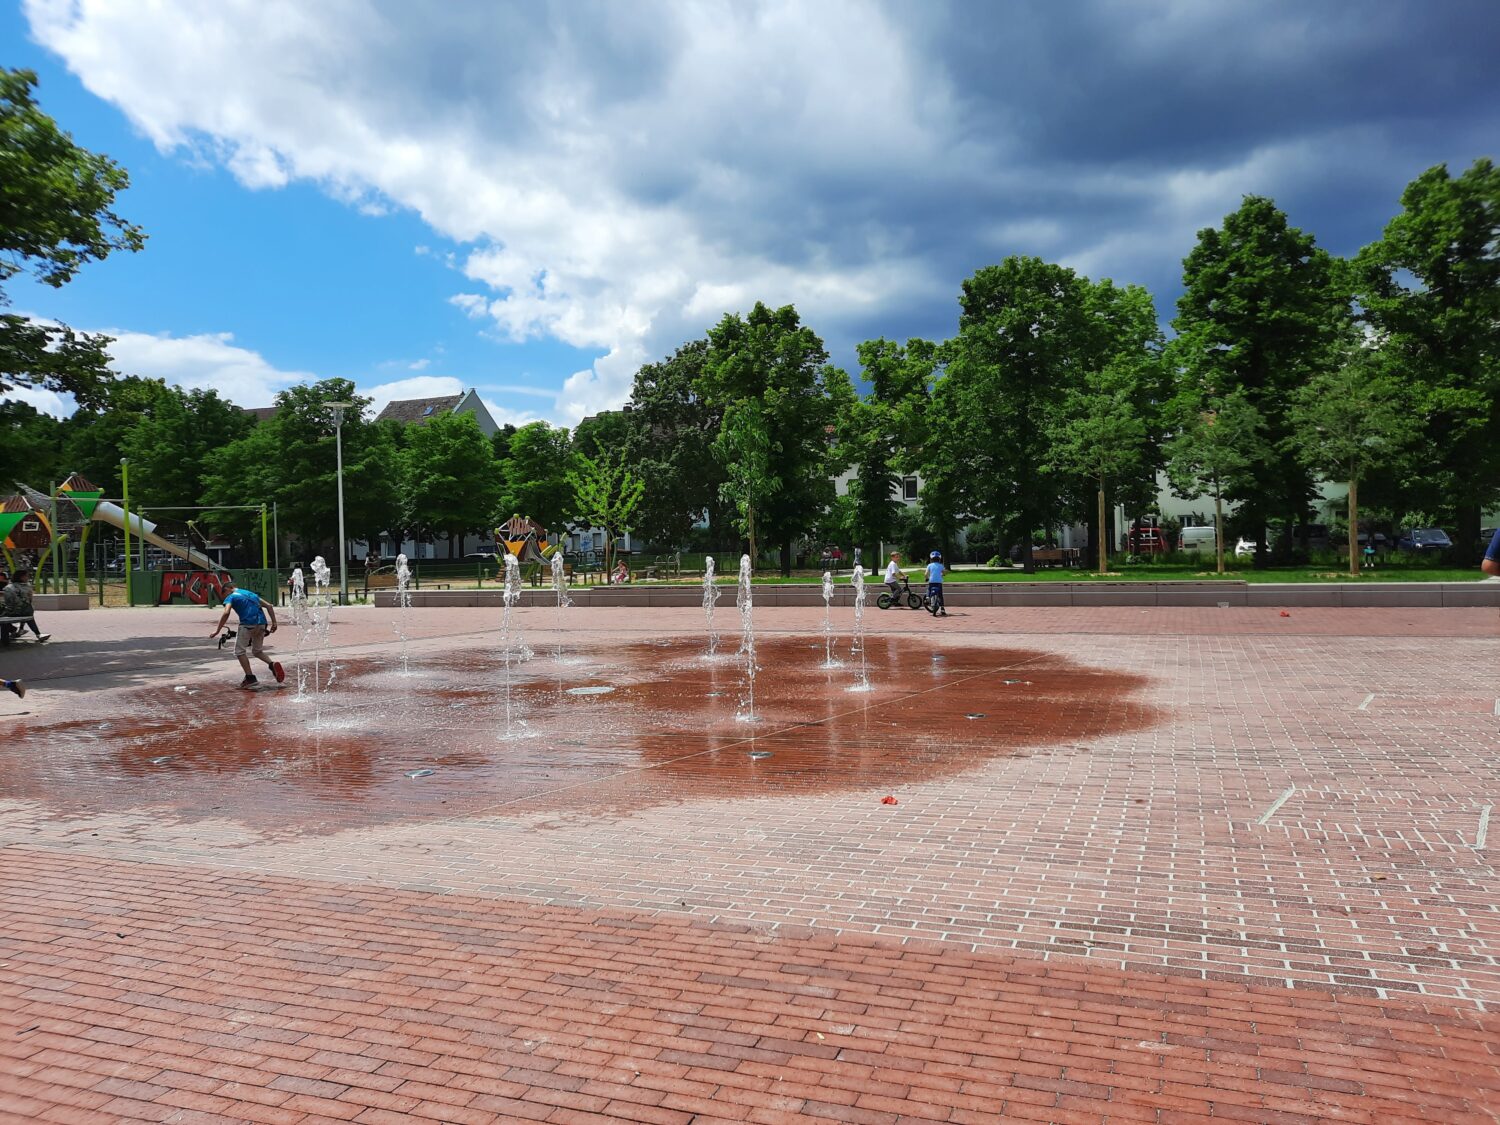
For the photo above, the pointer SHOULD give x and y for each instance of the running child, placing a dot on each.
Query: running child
(251, 609)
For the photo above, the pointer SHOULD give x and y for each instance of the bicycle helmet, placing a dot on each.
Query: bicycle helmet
(936, 556)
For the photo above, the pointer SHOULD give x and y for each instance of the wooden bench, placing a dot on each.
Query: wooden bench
(1056, 556)
(386, 580)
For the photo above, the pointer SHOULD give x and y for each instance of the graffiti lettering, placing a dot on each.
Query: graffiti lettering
(196, 587)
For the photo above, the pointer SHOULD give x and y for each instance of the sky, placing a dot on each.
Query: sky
(534, 199)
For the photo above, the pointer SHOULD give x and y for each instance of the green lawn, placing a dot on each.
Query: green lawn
(1163, 572)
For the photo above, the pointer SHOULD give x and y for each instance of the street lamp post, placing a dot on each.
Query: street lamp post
(338, 409)
(125, 499)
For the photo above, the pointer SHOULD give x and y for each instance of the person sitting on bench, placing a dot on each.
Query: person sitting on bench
(17, 595)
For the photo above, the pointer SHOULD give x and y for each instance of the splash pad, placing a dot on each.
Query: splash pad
(634, 722)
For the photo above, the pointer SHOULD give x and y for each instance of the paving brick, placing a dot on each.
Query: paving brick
(1083, 907)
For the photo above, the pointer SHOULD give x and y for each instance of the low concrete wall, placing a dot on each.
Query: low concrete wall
(1207, 593)
(52, 602)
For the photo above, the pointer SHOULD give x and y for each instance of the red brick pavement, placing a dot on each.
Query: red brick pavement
(205, 997)
(1115, 924)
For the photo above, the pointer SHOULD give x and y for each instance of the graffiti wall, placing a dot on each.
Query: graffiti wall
(197, 587)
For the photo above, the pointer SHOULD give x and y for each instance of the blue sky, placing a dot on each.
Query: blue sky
(536, 199)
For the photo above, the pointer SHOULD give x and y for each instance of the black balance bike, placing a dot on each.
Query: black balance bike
(910, 597)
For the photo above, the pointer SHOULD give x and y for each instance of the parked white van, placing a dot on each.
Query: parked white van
(1195, 539)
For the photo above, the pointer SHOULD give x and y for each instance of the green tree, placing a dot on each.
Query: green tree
(94, 438)
(291, 460)
(536, 476)
(1023, 341)
(744, 449)
(880, 433)
(55, 217)
(1215, 449)
(1110, 432)
(450, 482)
(1430, 289)
(602, 435)
(1351, 420)
(670, 442)
(169, 447)
(605, 494)
(1261, 312)
(30, 446)
(773, 361)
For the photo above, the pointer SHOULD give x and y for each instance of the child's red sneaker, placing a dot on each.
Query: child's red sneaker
(278, 671)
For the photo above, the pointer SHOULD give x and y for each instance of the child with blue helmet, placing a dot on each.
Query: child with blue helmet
(935, 569)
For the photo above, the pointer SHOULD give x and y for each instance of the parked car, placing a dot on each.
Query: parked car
(1244, 548)
(1196, 539)
(1424, 539)
(1314, 536)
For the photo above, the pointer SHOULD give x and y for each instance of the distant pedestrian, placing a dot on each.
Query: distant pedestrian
(252, 611)
(935, 571)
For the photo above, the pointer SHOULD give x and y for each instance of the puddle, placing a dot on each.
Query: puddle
(663, 730)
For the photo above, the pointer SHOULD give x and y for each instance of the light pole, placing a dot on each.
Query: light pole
(125, 499)
(338, 409)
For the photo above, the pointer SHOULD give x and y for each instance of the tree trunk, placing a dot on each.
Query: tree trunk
(750, 534)
(1219, 530)
(786, 557)
(1102, 533)
(1354, 529)
(1469, 517)
(1028, 564)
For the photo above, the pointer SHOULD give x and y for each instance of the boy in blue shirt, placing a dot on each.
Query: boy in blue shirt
(251, 609)
(935, 570)
(1491, 564)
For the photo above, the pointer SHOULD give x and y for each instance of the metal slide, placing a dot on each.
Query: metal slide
(114, 515)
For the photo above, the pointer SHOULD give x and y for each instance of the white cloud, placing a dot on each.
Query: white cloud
(505, 416)
(419, 365)
(211, 362)
(611, 210)
(617, 176)
(43, 401)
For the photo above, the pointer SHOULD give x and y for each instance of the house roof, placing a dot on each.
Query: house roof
(261, 413)
(417, 409)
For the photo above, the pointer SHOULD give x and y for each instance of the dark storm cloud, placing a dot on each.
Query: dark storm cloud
(658, 163)
(1102, 134)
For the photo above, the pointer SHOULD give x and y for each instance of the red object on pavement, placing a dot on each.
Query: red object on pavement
(888, 801)
(1284, 613)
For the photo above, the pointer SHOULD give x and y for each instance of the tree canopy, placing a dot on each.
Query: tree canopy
(56, 216)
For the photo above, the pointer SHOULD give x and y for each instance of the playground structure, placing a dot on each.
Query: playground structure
(48, 526)
(525, 539)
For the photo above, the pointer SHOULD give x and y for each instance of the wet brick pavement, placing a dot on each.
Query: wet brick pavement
(1181, 865)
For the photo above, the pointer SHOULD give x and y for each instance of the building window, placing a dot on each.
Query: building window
(426, 412)
(909, 488)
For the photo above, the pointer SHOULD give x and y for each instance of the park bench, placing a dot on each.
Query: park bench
(386, 580)
(1056, 556)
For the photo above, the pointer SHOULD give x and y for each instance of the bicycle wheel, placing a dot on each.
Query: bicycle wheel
(915, 601)
(884, 601)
